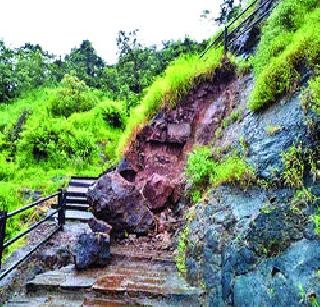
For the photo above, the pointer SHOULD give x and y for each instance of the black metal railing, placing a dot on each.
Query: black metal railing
(231, 32)
(4, 216)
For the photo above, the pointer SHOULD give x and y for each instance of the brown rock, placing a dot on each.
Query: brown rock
(157, 191)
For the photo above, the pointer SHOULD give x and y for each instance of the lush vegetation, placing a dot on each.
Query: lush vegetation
(289, 47)
(314, 88)
(41, 147)
(60, 117)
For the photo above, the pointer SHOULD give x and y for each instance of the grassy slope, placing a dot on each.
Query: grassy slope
(177, 80)
(290, 44)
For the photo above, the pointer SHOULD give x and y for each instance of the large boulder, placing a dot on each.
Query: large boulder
(118, 202)
(92, 249)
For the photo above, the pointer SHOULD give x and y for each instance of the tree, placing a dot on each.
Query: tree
(31, 67)
(138, 66)
(86, 64)
(7, 83)
(228, 10)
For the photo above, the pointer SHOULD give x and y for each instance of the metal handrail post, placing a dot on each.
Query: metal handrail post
(225, 40)
(3, 223)
(61, 208)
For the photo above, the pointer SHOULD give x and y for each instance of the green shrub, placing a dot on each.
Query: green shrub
(7, 170)
(112, 113)
(277, 34)
(73, 96)
(284, 52)
(200, 165)
(203, 171)
(243, 66)
(55, 140)
(9, 201)
(232, 169)
(316, 219)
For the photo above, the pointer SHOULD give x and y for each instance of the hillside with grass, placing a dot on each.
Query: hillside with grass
(217, 155)
(64, 117)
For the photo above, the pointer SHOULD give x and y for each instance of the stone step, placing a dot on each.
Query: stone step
(74, 206)
(132, 252)
(74, 215)
(63, 279)
(81, 183)
(78, 207)
(84, 178)
(137, 268)
(45, 301)
(77, 191)
(138, 285)
(133, 283)
(77, 199)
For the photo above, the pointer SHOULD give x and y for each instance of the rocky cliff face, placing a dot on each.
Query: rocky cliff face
(258, 247)
(150, 178)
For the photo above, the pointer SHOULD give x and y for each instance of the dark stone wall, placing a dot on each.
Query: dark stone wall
(253, 247)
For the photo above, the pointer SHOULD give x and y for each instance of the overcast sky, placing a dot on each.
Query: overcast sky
(60, 25)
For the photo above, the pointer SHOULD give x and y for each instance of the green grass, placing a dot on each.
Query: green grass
(290, 44)
(177, 80)
(203, 171)
(181, 250)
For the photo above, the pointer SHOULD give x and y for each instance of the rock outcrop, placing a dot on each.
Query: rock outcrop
(256, 243)
(245, 244)
(150, 176)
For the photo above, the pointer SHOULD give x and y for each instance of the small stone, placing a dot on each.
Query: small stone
(99, 226)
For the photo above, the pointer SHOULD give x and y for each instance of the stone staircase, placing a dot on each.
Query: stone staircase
(77, 207)
(134, 277)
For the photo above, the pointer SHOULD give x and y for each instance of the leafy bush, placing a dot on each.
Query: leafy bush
(200, 165)
(73, 96)
(284, 53)
(181, 248)
(232, 169)
(55, 140)
(113, 114)
(316, 220)
(293, 161)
